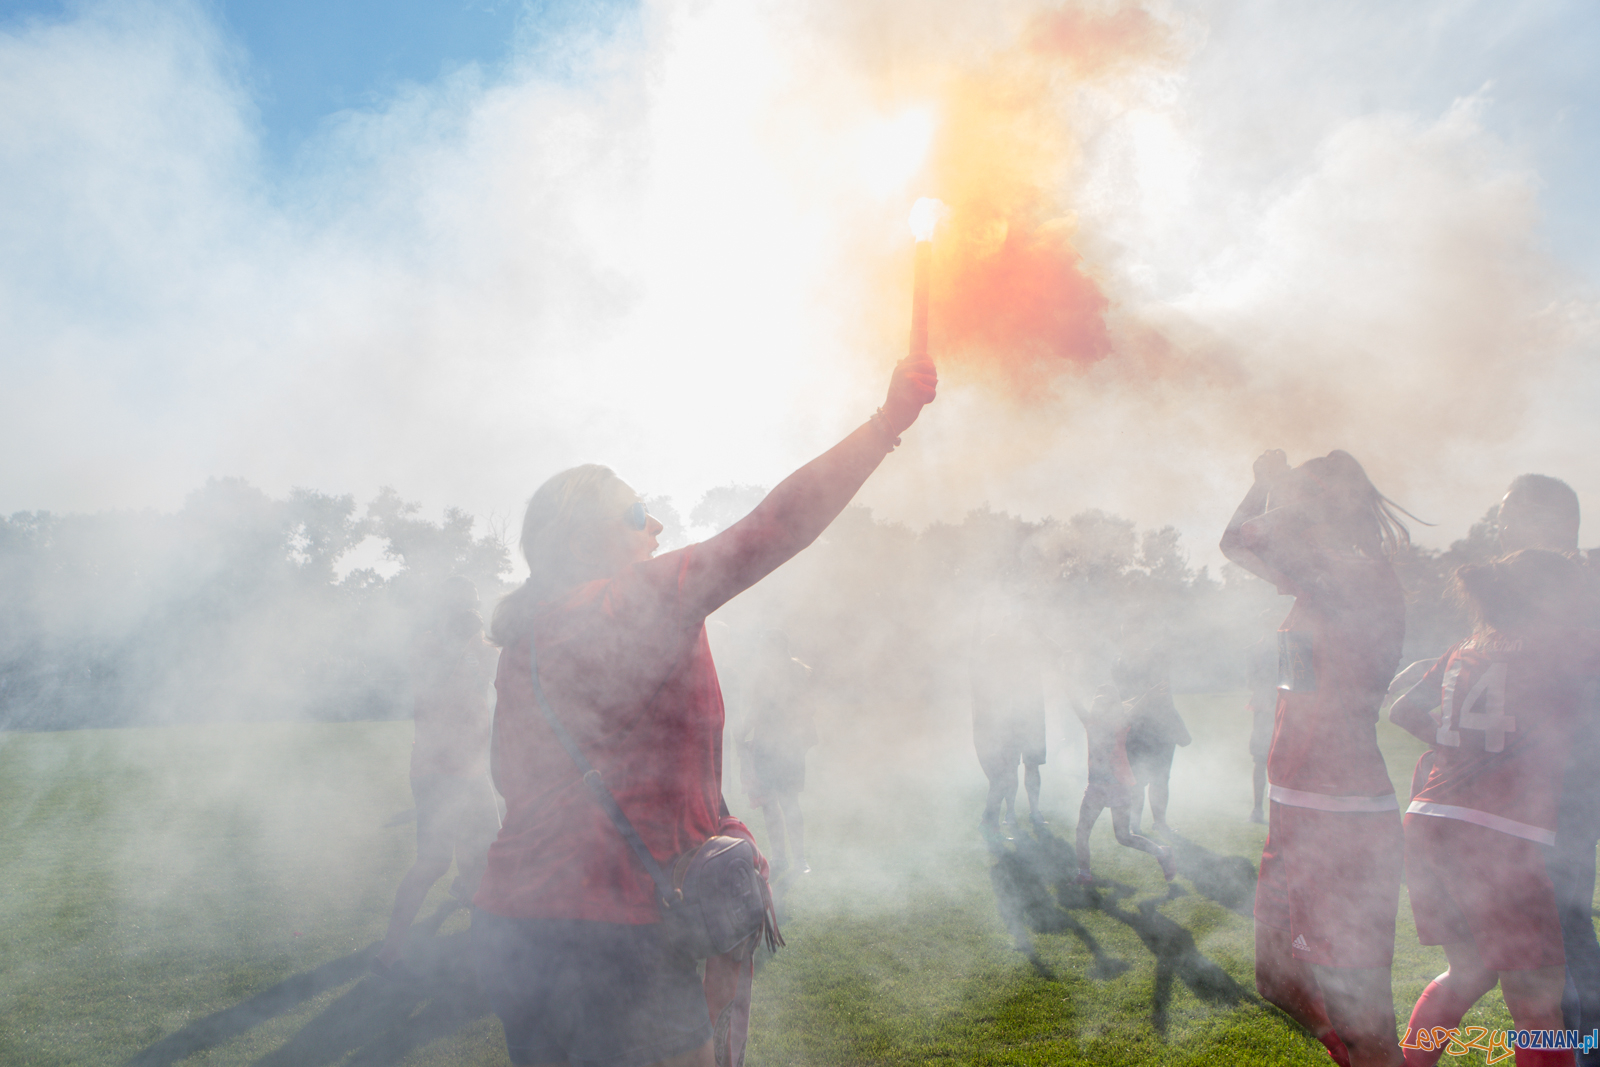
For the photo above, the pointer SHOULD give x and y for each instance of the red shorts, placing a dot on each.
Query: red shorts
(1108, 795)
(1471, 883)
(1332, 880)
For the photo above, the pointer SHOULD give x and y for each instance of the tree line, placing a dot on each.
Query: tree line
(236, 606)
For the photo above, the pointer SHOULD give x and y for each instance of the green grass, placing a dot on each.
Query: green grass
(210, 894)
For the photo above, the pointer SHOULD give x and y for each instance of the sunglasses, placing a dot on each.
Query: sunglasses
(638, 518)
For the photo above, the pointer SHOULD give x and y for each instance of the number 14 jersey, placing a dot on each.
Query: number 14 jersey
(1506, 717)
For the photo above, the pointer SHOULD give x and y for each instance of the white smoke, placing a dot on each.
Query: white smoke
(662, 252)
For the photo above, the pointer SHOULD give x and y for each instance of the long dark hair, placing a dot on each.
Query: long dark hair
(1370, 520)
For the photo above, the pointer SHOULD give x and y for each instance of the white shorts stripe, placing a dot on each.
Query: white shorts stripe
(1297, 798)
(1483, 818)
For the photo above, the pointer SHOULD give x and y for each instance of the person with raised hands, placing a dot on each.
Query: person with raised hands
(1329, 884)
(567, 934)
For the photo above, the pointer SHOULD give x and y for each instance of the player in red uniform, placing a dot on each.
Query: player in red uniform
(1476, 831)
(1111, 781)
(456, 810)
(1329, 884)
(1539, 511)
(567, 935)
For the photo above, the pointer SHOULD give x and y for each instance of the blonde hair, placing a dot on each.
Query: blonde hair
(571, 504)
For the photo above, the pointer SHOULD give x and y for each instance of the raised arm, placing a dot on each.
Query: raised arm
(1270, 468)
(796, 512)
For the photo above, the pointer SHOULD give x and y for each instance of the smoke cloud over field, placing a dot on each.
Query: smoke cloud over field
(603, 252)
(675, 242)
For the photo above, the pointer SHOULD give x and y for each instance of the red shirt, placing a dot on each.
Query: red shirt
(453, 717)
(625, 664)
(1508, 708)
(1107, 725)
(1337, 652)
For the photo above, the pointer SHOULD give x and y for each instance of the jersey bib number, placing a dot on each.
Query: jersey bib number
(1488, 691)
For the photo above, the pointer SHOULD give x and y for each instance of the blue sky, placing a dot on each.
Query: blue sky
(273, 240)
(304, 60)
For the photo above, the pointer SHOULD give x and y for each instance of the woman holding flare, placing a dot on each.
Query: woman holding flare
(1329, 884)
(567, 935)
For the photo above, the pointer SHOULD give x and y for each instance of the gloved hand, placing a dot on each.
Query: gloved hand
(910, 387)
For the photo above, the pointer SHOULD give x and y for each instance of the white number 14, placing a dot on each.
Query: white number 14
(1495, 723)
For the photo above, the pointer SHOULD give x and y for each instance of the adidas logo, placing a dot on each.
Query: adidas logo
(1300, 943)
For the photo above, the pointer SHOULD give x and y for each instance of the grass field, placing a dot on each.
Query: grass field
(211, 894)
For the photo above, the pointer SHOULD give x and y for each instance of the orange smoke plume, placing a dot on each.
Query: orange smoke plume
(1011, 292)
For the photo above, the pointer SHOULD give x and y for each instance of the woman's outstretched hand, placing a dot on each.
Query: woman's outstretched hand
(910, 387)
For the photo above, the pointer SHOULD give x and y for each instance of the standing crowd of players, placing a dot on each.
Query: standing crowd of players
(1497, 842)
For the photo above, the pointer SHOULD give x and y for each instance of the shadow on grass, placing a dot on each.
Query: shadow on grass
(1228, 880)
(1022, 881)
(1037, 890)
(375, 1022)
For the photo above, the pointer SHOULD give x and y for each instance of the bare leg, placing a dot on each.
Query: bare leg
(1127, 838)
(1446, 999)
(1158, 802)
(1137, 810)
(474, 833)
(1001, 787)
(777, 833)
(1087, 815)
(1030, 783)
(430, 866)
(1258, 781)
(1533, 996)
(1288, 984)
(1360, 1005)
(796, 824)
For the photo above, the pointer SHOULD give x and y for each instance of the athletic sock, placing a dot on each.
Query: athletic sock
(1336, 1049)
(1439, 1005)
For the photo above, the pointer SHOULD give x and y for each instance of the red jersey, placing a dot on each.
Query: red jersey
(1507, 708)
(1337, 652)
(625, 664)
(1107, 725)
(453, 716)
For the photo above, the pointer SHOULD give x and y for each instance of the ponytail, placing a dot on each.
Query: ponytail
(1369, 519)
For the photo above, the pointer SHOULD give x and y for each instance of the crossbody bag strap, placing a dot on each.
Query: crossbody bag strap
(597, 787)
